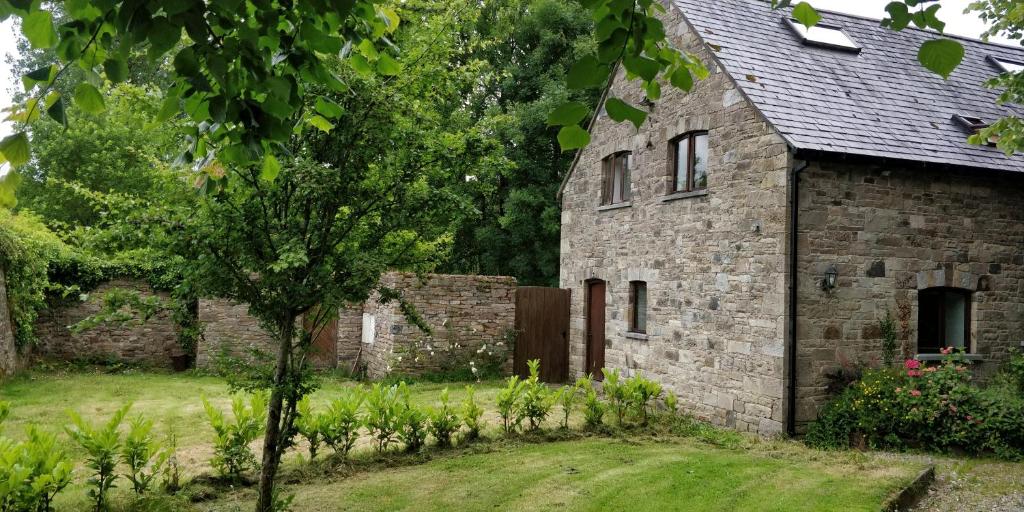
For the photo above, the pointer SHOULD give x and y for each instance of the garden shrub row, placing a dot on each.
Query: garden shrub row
(930, 407)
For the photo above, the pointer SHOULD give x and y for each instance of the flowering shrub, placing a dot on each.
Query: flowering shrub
(929, 407)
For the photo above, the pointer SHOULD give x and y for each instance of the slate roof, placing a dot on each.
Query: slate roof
(880, 102)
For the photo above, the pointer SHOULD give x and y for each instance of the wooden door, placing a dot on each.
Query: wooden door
(595, 328)
(324, 350)
(542, 325)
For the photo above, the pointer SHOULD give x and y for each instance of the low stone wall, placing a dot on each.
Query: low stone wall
(8, 348)
(153, 343)
(470, 319)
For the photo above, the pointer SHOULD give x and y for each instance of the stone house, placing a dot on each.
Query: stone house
(751, 236)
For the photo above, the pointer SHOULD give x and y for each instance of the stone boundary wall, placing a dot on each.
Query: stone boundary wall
(470, 317)
(892, 231)
(153, 343)
(8, 348)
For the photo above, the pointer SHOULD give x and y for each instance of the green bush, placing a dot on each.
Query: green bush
(102, 446)
(472, 414)
(443, 421)
(231, 453)
(142, 454)
(928, 407)
(567, 397)
(311, 425)
(593, 407)
(615, 390)
(1014, 371)
(342, 428)
(383, 415)
(32, 472)
(537, 398)
(509, 404)
(413, 421)
(640, 392)
(671, 403)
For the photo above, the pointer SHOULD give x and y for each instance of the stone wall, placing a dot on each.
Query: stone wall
(152, 343)
(714, 264)
(892, 231)
(470, 318)
(8, 347)
(465, 313)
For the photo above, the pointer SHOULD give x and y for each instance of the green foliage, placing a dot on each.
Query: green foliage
(509, 404)
(642, 392)
(414, 422)
(142, 454)
(231, 452)
(615, 390)
(311, 425)
(443, 421)
(472, 414)
(593, 407)
(342, 429)
(671, 403)
(567, 397)
(537, 398)
(102, 445)
(1014, 370)
(384, 410)
(890, 339)
(32, 472)
(935, 407)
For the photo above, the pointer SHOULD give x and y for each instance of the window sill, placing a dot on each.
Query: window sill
(615, 206)
(974, 358)
(636, 336)
(684, 195)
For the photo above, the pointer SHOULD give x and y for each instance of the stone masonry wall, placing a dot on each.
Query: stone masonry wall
(8, 347)
(153, 343)
(714, 264)
(350, 331)
(892, 231)
(229, 330)
(470, 318)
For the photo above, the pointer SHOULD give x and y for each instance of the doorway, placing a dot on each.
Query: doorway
(596, 291)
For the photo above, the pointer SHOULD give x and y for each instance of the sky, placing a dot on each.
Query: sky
(952, 13)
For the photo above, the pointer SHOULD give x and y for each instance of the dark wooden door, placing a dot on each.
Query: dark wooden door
(324, 350)
(542, 327)
(595, 328)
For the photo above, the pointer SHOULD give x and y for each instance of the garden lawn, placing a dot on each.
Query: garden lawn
(609, 474)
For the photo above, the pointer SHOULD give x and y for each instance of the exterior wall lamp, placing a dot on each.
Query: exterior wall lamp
(831, 277)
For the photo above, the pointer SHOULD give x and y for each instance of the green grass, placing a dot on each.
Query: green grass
(592, 473)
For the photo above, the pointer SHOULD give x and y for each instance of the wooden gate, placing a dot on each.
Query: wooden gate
(542, 324)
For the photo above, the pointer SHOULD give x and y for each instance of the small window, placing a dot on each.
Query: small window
(826, 36)
(974, 125)
(688, 155)
(616, 178)
(1007, 66)
(638, 307)
(943, 320)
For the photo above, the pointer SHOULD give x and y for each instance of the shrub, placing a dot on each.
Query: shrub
(414, 422)
(890, 338)
(32, 472)
(617, 393)
(639, 392)
(593, 407)
(232, 455)
(344, 421)
(509, 404)
(443, 421)
(383, 415)
(102, 445)
(1014, 371)
(671, 403)
(172, 469)
(931, 407)
(144, 457)
(311, 425)
(567, 398)
(537, 399)
(472, 414)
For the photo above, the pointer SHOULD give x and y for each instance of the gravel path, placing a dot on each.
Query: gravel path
(965, 485)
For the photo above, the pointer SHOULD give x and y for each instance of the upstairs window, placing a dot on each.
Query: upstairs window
(974, 125)
(1007, 66)
(616, 178)
(943, 320)
(825, 36)
(638, 307)
(688, 155)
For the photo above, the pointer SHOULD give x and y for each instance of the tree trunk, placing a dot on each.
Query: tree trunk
(272, 437)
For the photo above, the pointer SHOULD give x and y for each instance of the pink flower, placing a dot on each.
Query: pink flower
(931, 369)
(952, 408)
(912, 364)
(970, 418)
(914, 373)
(899, 390)
(914, 392)
(946, 351)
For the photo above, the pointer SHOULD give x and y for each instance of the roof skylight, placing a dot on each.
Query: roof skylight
(827, 36)
(1008, 66)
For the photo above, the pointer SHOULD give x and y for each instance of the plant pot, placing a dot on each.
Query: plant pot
(181, 363)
